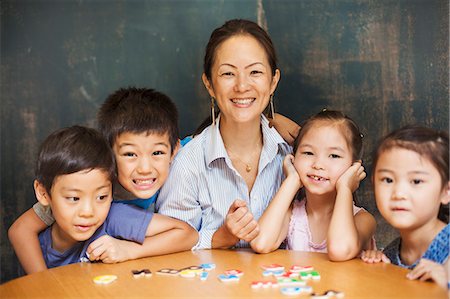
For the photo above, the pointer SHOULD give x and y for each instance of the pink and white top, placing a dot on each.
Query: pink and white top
(299, 233)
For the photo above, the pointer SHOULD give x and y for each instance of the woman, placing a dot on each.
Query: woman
(223, 180)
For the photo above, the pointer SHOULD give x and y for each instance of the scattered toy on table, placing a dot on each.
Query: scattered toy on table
(298, 269)
(296, 290)
(143, 272)
(234, 272)
(264, 284)
(168, 271)
(104, 279)
(312, 274)
(290, 282)
(204, 276)
(228, 278)
(273, 267)
(273, 273)
(208, 266)
(187, 273)
(328, 294)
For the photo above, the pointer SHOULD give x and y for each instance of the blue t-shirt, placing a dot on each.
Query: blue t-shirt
(123, 222)
(438, 251)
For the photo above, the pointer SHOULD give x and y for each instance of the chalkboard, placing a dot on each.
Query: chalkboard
(384, 63)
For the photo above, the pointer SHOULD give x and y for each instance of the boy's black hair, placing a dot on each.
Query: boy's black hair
(70, 150)
(138, 110)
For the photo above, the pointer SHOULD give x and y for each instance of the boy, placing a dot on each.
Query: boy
(74, 175)
(141, 126)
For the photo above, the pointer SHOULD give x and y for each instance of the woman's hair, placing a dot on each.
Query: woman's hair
(430, 144)
(219, 35)
(70, 150)
(348, 127)
(238, 27)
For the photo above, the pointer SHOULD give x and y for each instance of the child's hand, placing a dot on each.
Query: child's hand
(240, 222)
(108, 250)
(290, 171)
(374, 256)
(352, 177)
(428, 270)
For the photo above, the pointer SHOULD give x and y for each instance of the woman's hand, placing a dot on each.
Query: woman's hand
(240, 222)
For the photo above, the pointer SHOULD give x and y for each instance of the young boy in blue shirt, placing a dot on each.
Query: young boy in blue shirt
(141, 126)
(74, 175)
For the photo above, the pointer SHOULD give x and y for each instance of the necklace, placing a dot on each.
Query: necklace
(248, 166)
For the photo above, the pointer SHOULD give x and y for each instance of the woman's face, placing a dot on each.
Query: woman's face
(241, 79)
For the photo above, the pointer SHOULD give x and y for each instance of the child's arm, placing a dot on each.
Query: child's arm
(348, 235)
(287, 128)
(427, 269)
(164, 235)
(274, 223)
(23, 235)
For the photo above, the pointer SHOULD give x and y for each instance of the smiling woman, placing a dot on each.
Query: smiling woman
(223, 180)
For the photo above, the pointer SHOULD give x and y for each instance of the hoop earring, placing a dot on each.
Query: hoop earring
(213, 115)
(272, 111)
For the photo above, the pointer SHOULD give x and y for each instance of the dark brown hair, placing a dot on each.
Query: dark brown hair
(238, 27)
(350, 130)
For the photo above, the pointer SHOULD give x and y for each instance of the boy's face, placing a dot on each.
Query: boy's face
(80, 203)
(408, 189)
(143, 162)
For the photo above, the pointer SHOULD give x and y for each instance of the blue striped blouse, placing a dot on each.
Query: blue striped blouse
(203, 183)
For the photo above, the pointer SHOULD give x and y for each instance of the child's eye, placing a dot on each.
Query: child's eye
(335, 156)
(73, 199)
(103, 197)
(157, 153)
(416, 181)
(386, 180)
(307, 153)
(130, 154)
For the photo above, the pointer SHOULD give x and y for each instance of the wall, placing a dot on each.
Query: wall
(384, 63)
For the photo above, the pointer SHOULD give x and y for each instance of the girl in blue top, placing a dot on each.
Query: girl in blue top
(412, 190)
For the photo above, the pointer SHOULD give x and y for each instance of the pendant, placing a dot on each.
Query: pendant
(248, 168)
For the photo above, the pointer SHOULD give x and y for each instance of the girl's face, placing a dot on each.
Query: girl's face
(241, 79)
(322, 157)
(408, 189)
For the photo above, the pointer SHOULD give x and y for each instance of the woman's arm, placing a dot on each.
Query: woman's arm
(23, 235)
(274, 223)
(348, 235)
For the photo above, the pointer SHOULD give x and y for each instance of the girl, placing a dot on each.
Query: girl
(327, 163)
(412, 187)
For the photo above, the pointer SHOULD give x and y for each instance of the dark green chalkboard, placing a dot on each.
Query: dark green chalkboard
(384, 63)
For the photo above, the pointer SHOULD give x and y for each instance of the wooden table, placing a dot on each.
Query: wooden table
(355, 278)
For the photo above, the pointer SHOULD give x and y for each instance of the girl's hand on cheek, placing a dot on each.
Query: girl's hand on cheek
(351, 177)
(290, 171)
